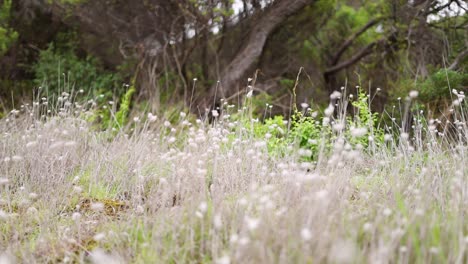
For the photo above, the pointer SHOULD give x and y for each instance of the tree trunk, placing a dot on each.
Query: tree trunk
(271, 18)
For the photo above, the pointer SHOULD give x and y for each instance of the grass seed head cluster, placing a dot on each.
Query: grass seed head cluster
(322, 187)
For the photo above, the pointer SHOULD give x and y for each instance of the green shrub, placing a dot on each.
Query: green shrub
(105, 118)
(7, 35)
(121, 116)
(365, 118)
(276, 130)
(61, 70)
(309, 133)
(440, 84)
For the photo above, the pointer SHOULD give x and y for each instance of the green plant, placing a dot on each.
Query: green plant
(309, 133)
(122, 115)
(439, 85)
(115, 121)
(364, 117)
(273, 130)
(61, 70)
(7, 35)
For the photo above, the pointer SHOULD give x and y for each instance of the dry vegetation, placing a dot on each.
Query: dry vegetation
(187, 191)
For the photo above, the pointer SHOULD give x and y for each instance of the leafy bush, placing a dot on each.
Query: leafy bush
(439, 84)
(309, 133)
(365, 118)
(312, 134)
(274, 131)
(122, 115)
(59, 70)
(7, 35)
(107, 119)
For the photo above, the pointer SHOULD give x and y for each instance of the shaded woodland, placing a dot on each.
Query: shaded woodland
(190, 53)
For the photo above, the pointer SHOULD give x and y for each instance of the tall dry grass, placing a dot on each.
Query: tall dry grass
(186, 191)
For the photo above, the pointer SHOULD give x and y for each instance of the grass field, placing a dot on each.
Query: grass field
(324, 188)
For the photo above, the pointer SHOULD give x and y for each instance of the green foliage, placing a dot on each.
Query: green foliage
(106, 119)
(365, 118)
(122, 115)
(349, 20)
(7, 35)
(439, 84)
(338, 19)
(311, 51)
(309, 133)
(94, 188)
(276, 130)
(258, 102)
(60, 70)
(287, 83)
(168, 84)
(435, 91)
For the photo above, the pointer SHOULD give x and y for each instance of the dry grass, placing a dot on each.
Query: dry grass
(191, 192)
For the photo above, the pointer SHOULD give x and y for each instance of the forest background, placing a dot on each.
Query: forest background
(180, 54)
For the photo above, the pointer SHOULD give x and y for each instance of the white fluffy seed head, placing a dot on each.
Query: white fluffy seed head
(97, 207)
(223, 260)
(31, 144)
(413, 94)
(306, 235)
(3, 215)
(139, 210)
(335, 95)
(367, 227)
(76, 216)
(203, 207)
(99, 237)
(4, 181)
(99, 256)
(305, 152)
(32, 211)
(404, 136)
(16, 158)
(388, 137)
(252, 223)
(77, 189)
(342, 252)
(358, 131)
(217, 222)
(338, 127)
(152, 118)
(33, 196)
(329, 110)
(387, 212)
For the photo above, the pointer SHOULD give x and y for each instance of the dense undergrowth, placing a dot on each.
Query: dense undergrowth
(82, 182)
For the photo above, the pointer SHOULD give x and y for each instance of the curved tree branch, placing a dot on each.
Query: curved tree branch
(357, 57)
(271, 18)
(458, 59)
(349, 41)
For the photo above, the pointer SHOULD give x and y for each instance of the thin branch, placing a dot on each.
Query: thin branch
(456, 27)
(440, 8)
(352, 38)
(458, 59)
(361, 54)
